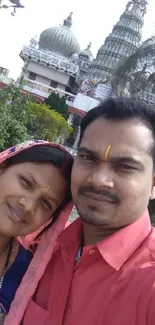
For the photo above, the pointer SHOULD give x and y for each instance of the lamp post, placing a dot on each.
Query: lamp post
(15, 4)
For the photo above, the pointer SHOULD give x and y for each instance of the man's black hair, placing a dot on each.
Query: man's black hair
(122, 108)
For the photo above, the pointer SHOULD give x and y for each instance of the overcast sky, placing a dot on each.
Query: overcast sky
(91, 22)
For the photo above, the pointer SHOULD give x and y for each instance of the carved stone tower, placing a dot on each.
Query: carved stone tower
(121, 43)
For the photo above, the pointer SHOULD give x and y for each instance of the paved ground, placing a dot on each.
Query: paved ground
(74, 215)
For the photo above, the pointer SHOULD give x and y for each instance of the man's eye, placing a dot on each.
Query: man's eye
(86, 157)
(126, 167)
(46, 204)
(26, 182)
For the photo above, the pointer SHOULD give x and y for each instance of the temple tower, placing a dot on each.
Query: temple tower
(121, 43)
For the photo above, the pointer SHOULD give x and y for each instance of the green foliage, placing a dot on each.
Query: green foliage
(21, 119)
(13, 132)
(12, 128)
(58, 104)
(44, 123)
(152, 211)
(153, 219)
(136, 72)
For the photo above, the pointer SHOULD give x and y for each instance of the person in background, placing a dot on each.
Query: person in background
(34, 189)
(102, 270)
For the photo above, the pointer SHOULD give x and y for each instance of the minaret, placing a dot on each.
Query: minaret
(121, 43)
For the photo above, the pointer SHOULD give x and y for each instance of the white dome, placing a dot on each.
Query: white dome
(86, 54)
(60, 39)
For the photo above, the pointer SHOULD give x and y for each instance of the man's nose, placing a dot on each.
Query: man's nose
(102, 176)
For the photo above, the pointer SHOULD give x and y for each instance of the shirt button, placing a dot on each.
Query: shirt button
(91, 252)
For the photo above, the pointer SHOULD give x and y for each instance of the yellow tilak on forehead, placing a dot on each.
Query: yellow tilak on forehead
(107, 152)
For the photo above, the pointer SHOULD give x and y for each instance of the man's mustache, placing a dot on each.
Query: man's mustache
(105, 193)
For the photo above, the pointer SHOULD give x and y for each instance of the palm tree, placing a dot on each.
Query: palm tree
(137, 72)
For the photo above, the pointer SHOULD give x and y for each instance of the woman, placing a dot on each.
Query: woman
(34, 189)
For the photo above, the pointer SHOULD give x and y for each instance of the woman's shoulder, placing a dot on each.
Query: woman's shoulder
(17, 270)
(14, 277)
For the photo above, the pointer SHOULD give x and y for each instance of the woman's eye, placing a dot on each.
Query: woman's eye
(46, 204)
(26, 182)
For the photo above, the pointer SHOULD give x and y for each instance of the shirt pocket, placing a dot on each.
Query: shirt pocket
(35, 315)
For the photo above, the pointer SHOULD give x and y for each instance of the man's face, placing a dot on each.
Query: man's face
(113, 189)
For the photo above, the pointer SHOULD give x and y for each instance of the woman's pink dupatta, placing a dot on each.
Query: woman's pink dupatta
(36, 269)
(44, 251)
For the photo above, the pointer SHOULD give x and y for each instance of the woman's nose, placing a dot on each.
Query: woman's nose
(28, 205)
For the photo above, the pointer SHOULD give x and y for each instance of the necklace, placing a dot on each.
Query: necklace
(10, 245)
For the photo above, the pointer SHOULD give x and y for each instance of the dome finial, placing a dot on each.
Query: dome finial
(89, 46)
(68, 20)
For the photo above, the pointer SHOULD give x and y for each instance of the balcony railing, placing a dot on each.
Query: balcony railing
(49, 60)
(42, 90)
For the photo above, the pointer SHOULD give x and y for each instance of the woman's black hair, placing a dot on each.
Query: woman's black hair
(48, 154)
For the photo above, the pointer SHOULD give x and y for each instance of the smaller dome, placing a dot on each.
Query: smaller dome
(86, 54)
(60, 39)
(74, 56)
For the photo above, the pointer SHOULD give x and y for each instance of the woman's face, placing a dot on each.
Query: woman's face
(29, 194)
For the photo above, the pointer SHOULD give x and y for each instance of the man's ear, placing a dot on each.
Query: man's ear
(152, 194)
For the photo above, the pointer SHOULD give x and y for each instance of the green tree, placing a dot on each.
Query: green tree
(136, 72)
(58, 104)
(13, 99)
(46, 124)
(152, 211)
(21, 118)
(12, 129)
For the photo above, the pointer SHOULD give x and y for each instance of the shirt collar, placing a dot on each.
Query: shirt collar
(117, 248)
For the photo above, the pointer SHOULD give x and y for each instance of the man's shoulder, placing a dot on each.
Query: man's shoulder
(145, 254)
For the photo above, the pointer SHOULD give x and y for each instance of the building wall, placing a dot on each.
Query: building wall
(47, 73)
(4, 71)
(43, 80)
(61, 87)
(25, 74)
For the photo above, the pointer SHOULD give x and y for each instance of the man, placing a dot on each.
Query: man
(103, 270)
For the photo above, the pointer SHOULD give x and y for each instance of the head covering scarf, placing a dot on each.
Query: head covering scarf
(45, 248)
